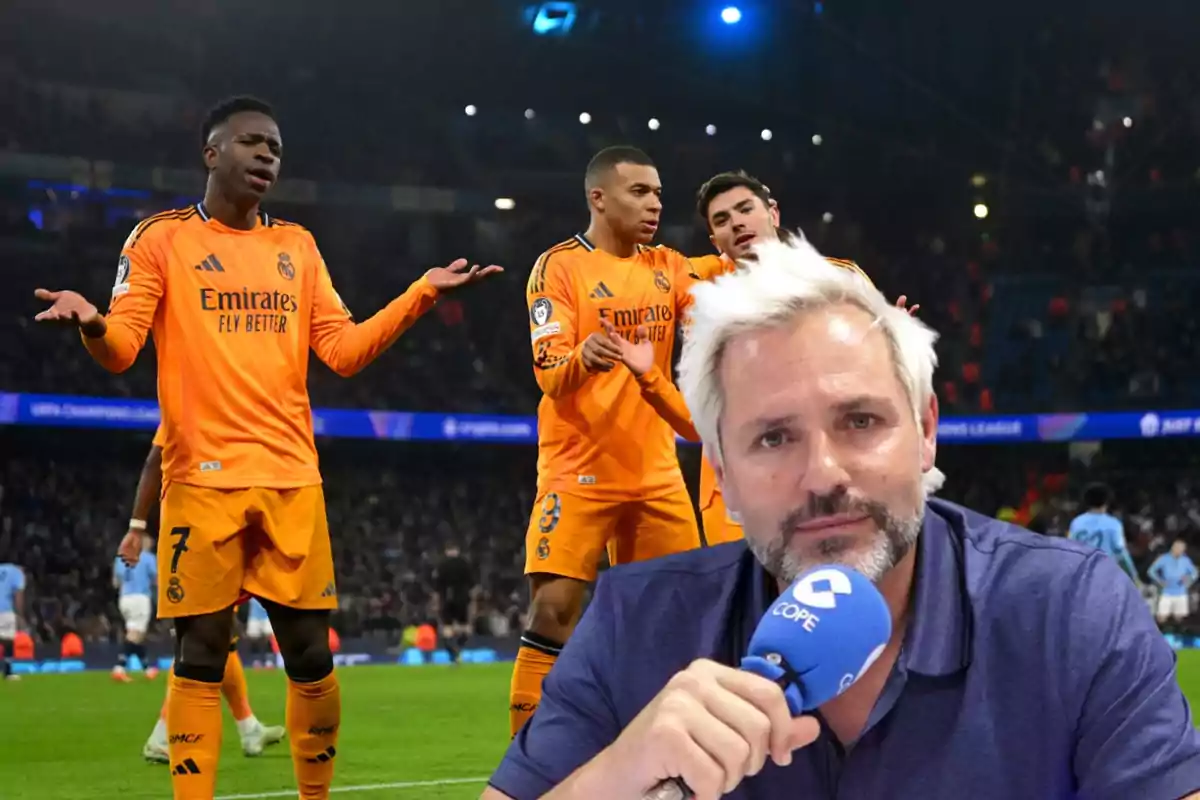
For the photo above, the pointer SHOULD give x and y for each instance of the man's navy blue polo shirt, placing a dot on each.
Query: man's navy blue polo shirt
(1031, 670)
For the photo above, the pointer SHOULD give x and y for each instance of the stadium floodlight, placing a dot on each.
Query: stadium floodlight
(505, 203)
(981, 211)
(766, 134)
(711, 130)
(585, 118)
(652, 124)
(553, 19)
(471, 111)
(731, 15)
(1127, 122)
(827, 218)
(817, 140)
(529, 113)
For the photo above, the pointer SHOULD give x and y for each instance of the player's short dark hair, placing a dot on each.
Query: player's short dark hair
(1097, 495)
(222, 111)
(722, 182)
(610, 158)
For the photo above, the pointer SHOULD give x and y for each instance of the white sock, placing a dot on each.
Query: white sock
(247, 726)
(159, 734)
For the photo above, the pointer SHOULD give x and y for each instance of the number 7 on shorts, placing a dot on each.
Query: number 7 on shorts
(179, 547)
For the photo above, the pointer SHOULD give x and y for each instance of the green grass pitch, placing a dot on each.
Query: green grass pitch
(427, 733)
(412, 732)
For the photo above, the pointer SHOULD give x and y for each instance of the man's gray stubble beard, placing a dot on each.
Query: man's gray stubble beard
(896, 538)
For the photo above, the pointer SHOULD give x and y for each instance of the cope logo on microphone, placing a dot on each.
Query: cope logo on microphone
(849, 679)
(821, 588)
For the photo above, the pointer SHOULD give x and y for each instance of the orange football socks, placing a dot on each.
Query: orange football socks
(314, 714)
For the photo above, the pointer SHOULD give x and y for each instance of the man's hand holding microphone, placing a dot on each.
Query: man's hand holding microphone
(712, 726)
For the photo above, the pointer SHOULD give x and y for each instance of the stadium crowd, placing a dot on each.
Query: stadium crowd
(393, 508)
(1084, 310)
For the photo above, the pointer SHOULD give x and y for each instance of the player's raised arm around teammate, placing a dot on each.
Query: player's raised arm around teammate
(345, 346)
(149, 489)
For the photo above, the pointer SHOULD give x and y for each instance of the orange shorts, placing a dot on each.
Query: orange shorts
(567, 533)
(719, 526)
(216, 545)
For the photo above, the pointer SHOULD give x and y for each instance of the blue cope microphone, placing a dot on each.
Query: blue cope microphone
(816, 640)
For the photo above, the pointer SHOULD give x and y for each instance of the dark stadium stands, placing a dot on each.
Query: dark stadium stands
(1076, 293)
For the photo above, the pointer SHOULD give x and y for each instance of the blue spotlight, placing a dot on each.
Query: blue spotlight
(731, 15)
(553, 19)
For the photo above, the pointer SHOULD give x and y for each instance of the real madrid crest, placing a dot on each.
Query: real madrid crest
(285, 266)
(660, 280)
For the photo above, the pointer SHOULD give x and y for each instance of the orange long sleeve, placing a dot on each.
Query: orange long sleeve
(557, 352)
(135, 298)
(347, 347)
(667, 400)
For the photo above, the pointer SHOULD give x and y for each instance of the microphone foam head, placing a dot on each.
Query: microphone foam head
(820, 636)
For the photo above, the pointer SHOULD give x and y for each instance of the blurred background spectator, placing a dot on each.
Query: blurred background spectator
(1025, 172)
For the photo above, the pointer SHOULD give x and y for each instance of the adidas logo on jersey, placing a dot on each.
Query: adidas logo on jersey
(210, 264)
(601, 292)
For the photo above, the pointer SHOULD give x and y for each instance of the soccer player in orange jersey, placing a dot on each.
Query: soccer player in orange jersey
(254, 735)
(235, 299)
(608, 473)
(740, 213)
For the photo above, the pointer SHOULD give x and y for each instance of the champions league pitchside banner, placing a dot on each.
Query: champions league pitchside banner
(103, 412)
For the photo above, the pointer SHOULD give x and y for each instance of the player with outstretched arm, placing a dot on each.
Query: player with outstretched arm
(235, 299)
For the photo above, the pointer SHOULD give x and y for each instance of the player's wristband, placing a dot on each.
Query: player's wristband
(136, 524)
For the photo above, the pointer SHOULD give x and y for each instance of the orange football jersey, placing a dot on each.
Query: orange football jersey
(706, 268)
(160, 436)
(596, 437)
(664, 396)
(234, 313)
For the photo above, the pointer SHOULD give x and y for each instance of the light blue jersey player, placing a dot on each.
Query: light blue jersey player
(1102, 530)
(12, 600)
(136, 585)
(1174, 573)
(258, 635)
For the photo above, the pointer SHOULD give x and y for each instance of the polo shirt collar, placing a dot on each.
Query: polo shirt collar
(939, 638)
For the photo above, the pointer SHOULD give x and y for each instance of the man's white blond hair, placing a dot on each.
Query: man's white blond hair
(785, 281)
